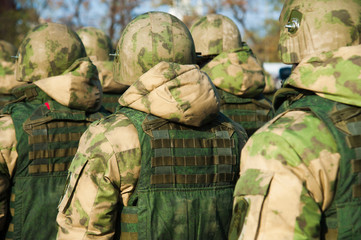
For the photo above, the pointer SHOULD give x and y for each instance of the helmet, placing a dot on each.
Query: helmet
(96, 43)
(47, 50)
(7, 50)
(214, 34)
(309, 27)
(149, 39)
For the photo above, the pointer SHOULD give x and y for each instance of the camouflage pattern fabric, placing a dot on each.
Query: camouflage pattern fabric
(270, 86)
(317, 26)
(62, 48)
(106, 168)
(96, 43)
(81, 85)
(214, 34)
(332, 75)
(292, 162)
(237, 72)
(111, 89)
(149, 39)
(240, 80)
(7, 81)
(76, 86)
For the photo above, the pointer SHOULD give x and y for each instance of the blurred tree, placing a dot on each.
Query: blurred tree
(16, 20)
(120, 14)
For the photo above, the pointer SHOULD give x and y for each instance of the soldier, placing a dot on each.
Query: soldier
(99, 47)
(41, 129)
(300, 173)
(163, 166)
(7, 67)
(233, 68)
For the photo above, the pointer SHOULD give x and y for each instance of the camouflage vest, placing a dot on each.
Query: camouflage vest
(187, 177)
(110, 101)
(47, 134)
(342, 219)
(251, 113)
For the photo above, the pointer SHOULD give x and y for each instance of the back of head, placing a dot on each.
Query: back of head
(149, 39)
(309, 27)
(214, 34)
(47, 50)
(96, 43)
(7, 50)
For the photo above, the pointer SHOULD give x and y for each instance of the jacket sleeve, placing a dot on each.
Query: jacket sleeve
(287, 173)
(102, 175)
(8, 157)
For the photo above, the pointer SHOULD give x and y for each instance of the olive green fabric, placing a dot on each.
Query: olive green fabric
(47, 134)
(5, 98)
(110, 101)
(341, 219)
(186, 182)
(250, 113)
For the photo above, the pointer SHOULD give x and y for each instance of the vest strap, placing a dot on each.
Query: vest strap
(192, 179)
(354, 141)
(193, 161)
(46, 168)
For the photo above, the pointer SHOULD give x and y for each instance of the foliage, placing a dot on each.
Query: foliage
(21, 15)
(19, 20)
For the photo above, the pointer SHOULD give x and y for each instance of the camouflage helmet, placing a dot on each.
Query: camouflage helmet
(309, 27)
(96, 43)
(149, 39)
(7, 50)
(214, 34)
(47, 50)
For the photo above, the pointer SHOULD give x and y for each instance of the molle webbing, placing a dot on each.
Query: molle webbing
(53, 140)
(173, 157)
(48, 134)
(251, 113)
(348, 119)
(181, 165)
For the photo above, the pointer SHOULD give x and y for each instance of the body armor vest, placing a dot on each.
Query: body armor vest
(48, 134)
(187, 178)
(342, 219)
(250, 113)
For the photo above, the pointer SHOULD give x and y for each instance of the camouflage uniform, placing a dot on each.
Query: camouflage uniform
(99, 47)
(40, 130)
(107, 174)
(7, 76)
(270, 87)
(234, 70)
(299, 173)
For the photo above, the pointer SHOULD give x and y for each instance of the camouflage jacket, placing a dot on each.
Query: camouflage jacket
(106, 168)
(7, 81)
(290, 166)
(78, 88)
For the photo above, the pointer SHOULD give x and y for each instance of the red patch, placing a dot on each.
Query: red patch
(47, 105)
